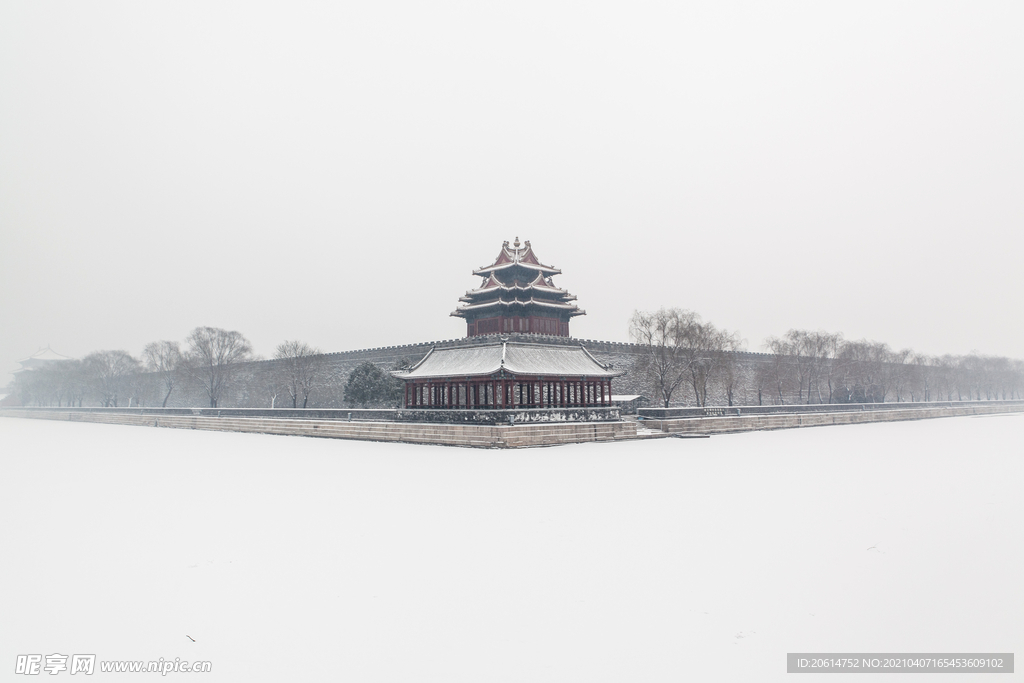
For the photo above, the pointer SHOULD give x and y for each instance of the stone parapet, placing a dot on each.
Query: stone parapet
(450, 415)
(719, 411)
(749, 423)
(446, 434)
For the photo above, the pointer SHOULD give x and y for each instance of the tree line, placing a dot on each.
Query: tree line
(210, 365)
(804, 366)
(682, 360)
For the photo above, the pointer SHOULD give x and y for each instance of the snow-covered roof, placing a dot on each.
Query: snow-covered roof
(39, 359)
(44, 355)
(517, 273)
(516, 256)
(516, 358)
(520, 302)
(539, 283)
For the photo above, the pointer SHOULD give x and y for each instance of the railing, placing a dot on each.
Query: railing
(719, 411)
(424, 414)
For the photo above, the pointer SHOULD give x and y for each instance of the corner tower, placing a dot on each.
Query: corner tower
(517, 295)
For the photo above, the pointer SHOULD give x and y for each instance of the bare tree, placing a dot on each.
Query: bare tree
(269, 380)
(764, 380)
(781, 369)
(920, 377)
(213, 357)
(732, 345)
(302, 369)
(1017, 370)
(822, 350)
(163, 358)
(851, 374)
(36, 386)
(874, 375)
(801, 349)
(946, 372)
(71, 381)
(898, 370)
(109, 372)
(705, 348)
(664, 360)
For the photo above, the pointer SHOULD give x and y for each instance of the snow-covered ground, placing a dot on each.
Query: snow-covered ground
(294, 559)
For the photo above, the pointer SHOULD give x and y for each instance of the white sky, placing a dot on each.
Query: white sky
(332, 172)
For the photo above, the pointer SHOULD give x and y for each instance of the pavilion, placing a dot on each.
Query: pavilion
(507, 375)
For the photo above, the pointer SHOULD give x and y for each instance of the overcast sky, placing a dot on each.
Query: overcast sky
(332, 172)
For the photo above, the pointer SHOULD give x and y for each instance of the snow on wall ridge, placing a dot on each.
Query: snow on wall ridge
(468, 341)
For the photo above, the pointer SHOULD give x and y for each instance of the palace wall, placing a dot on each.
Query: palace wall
(621, 355)
(252, 390)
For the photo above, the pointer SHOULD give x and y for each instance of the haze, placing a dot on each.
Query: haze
(333, 172)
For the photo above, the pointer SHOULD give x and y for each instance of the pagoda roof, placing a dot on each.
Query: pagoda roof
(516, 358)
(44, 355)
(515, 255)
(573, 308)
(39, 359)
(539, 283)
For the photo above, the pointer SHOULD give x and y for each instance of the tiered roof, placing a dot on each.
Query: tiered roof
(517, 279)
(39, 359)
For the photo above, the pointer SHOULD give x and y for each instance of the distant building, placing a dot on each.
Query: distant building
(517, 295)
(40, 359)
(37, 361)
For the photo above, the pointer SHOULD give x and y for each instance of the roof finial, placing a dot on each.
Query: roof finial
(516, 245)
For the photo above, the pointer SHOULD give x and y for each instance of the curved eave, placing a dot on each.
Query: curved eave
(548, 270)
(516, 359)
(516, 288)
(571, 309)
